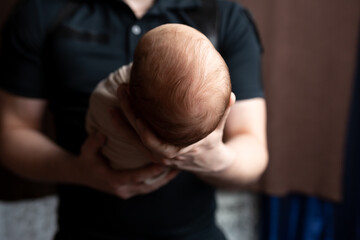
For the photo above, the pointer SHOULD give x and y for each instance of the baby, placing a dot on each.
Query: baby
(179, 85)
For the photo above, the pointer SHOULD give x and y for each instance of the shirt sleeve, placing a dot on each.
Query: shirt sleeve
(241, 49)
(21, 67)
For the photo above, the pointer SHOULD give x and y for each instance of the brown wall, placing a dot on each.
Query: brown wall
(308, 68)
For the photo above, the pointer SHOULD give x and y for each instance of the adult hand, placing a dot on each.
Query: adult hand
(93, 171)
(208, 155)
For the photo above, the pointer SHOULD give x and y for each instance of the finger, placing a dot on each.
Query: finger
(152, 180)
(171, 175)
(126, 192)
(145, 188)
(232, 99)
(176, 163)
(227, 112)
(147, 137)
(138, 175)
(93, 143)
(182, 165)
(124, 104)
(192, 149)
(151, 141)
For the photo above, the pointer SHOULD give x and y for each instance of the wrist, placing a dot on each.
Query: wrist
(227, 156)
(220, 159)
(64, 168)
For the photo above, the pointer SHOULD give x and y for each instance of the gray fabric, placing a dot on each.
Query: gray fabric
(237, 215)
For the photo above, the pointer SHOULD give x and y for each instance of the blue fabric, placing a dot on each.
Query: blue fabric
(296, 217)
(299, 217)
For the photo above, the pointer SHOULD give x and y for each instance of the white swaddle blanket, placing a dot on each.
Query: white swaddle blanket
(121, 153)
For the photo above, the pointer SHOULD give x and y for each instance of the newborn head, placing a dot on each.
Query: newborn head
(179, 85)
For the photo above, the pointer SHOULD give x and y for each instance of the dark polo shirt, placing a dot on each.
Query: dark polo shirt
(64, 67)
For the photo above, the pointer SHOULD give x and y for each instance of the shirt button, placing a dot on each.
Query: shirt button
(135, 29)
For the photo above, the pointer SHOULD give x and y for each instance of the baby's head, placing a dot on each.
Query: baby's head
(179, 85)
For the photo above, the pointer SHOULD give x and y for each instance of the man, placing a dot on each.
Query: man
(60, 70)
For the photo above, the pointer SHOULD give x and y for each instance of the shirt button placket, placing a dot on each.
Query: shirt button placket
(135, 34)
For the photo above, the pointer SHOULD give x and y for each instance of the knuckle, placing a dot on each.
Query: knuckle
(168, 153)
(113, 186)
(136, 178)
(149, 188)
(122, 196)
(144, 190)
(125, 197)
(122, 193)
(146, 139)
(167, 162)
(112, 182)
(101, 172)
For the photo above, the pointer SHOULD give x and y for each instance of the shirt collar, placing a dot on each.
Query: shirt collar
(162, 5)
(179, 4)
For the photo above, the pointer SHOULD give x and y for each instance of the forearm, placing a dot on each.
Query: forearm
(249, 160)
(32, 155)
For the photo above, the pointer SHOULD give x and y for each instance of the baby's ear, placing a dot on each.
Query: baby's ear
(232, 99)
